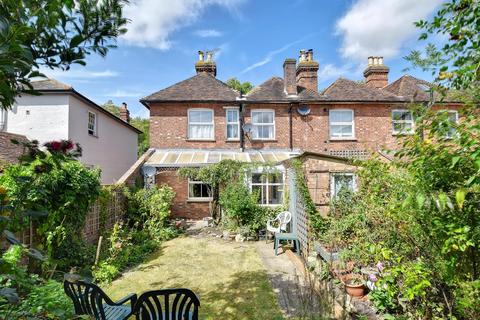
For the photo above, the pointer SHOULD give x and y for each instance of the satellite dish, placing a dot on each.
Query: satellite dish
(247, 127)
(149, 171)
(303, 110)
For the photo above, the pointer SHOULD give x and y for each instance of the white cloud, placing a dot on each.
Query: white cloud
(80, 74)
(119, 93)
(380, 27)
(331, 72)
(153, 21)
(208, 33)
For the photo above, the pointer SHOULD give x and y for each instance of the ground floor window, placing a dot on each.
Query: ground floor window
(269, 187)
(198, 190)
(340, 181)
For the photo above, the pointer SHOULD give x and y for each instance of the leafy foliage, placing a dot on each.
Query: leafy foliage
(242, 87)
(54, 34)
(456, 62)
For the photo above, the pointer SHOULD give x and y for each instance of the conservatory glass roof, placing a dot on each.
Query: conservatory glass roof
(185, 158)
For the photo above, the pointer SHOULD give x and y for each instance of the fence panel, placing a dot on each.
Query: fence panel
(299, 215)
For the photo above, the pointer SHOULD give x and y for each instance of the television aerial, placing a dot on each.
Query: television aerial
(303, 110)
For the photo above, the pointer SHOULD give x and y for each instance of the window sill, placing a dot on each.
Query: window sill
(264, 140)
(232, 140)
(204, 200)
(93, 135)
(200, 140)
(343, 139)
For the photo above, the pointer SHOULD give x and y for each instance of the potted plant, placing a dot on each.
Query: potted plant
(354, 285)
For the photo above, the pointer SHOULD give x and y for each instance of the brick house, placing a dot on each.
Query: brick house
(201, 120)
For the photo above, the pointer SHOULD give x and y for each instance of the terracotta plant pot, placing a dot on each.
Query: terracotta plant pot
(356, 290)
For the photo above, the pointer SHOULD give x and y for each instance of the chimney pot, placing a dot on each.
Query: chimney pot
(206, 65)
(200, 55)
(376, 73)
(307, 71)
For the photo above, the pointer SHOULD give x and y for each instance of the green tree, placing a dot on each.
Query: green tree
(54, 34)
(141, 124)
(243, 87)
(456, 62)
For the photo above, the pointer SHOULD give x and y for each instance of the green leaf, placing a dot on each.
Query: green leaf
(420, 200)
(454, 161)
(460, 197)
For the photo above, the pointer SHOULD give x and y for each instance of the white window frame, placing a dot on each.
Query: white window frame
(227, 123)
(95, 124)
(197, 199)
(201, 123)
(3, 119)
(255, 125)
(341, 123)
(267, 184)
(412, 121)
(332, 181)
(455, 112)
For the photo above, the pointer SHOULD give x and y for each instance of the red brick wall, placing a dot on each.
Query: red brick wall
(10, 152)
(181, 206)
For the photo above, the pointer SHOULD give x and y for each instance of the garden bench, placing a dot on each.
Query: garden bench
(287, 237)
(89, 299)
(167, 304)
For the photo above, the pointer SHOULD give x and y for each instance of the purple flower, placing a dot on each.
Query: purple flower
(380, 266)
(372, 277)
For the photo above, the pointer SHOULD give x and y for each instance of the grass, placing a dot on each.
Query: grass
(228, 277)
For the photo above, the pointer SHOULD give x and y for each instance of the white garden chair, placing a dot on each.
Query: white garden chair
(278, 224)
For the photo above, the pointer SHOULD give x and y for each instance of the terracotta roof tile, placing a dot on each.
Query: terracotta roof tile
(50, 84)
(348, 90)
(274, 90)
(201, 87)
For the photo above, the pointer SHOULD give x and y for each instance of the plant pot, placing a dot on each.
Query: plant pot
(355, 290)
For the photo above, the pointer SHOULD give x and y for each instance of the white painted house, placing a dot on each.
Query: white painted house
(60, 112)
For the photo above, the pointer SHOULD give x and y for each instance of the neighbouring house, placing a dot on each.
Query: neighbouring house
(201, 120)
(9, 151)
(61, 112)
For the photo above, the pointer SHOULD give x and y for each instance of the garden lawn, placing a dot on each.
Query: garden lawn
(228, 277)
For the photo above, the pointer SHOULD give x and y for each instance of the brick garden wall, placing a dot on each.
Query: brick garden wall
(10, 152)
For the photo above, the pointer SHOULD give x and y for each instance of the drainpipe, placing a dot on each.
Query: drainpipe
(240, 119)
(290, 120)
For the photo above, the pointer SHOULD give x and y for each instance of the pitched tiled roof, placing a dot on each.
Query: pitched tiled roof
(413, 89)
(348, 90)
(274, 90)
(201, 87)
(50, 84)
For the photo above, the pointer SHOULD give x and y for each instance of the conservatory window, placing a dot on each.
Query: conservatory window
(198, 190)
(269, 187)
(341, 124)
(340, 181)
(263, 124)
(402, 122)
(200, 124)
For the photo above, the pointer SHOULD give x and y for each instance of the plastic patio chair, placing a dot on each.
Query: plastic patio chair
(89, 299)
(167, 304)
(283, 219)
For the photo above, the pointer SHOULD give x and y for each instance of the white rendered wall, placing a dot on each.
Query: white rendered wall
(114, 149)
(43, 118)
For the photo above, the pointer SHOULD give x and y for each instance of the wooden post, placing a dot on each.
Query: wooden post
(97, 256)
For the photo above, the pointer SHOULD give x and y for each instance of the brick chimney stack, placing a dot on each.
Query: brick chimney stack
(206, 64)
(307, 70)
(376, 73)
(289, 76)
(124, 113)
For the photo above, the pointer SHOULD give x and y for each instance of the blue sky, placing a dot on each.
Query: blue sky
(253, 37)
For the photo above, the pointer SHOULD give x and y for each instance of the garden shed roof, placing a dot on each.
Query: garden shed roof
(199, 157)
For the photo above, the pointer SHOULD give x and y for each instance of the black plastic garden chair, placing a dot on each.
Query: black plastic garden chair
(167, 304)
(89, 299)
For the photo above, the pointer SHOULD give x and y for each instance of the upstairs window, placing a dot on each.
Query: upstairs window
(452, 119)
(198, 190)
(3, 116)
(233, 124)
(269, 187)
(341, 181)
(263, 124)
(200, 124)
(341, 124)
(92, 124)
(402, 122)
